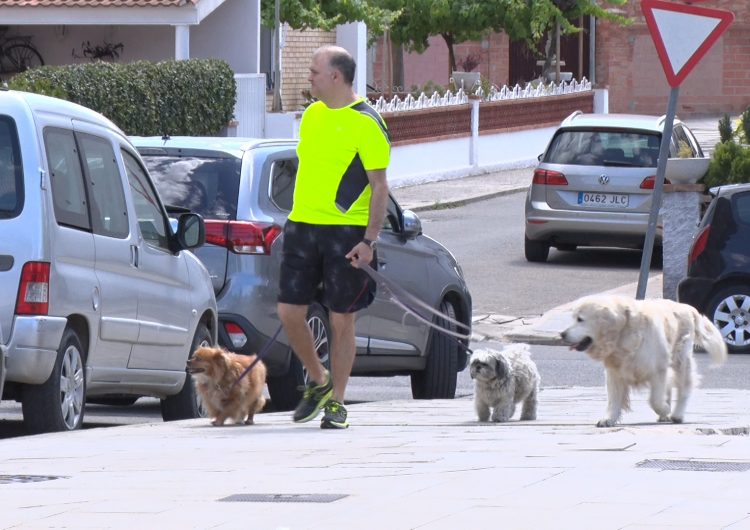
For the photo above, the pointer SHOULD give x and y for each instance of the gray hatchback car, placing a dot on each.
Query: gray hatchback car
(594, 182)
(244, 188)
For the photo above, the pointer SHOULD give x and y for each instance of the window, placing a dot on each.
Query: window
(109, 214)
(283, 177)
(604, 147)
(68, 190)
(208, 186)
(151, 220)
(11, 169)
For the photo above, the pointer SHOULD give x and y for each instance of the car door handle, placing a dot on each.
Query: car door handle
(134, 255)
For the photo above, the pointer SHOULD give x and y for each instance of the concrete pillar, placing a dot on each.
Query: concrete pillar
(353, 38)
(182, 42)
(474, 142)
(681, 209)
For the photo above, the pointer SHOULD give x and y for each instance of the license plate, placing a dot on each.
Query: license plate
(603, 200)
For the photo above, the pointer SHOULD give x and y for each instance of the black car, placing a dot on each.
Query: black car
(718, 277)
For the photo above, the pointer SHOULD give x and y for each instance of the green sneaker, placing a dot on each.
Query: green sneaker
(314, 398)
(334, 417)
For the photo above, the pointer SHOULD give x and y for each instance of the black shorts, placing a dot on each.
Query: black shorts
(315, 256)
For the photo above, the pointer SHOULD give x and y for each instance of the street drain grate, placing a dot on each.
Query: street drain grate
(284, 497)
(694, 465)
(22, 479)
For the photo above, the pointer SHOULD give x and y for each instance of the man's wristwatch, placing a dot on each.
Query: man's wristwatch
(369, 242)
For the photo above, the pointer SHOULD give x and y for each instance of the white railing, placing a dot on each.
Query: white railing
(396, 104)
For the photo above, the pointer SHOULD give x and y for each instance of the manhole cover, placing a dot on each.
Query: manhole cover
(20, 479)
(284, 497)
(694, 465)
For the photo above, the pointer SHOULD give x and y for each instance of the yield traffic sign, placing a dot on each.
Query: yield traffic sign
(683, 34)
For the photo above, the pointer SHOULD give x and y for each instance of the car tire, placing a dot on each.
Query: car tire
(729, 310)
(185, 404)
(535, 251)
(285, 390)
(438, 379)
(58, 403)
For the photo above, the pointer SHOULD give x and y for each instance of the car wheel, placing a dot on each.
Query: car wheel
(438, 379)
(729, 310)
(185, 404)
(285, 390)
(535, 251)
(58, 403)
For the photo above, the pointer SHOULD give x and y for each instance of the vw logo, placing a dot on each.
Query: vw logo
(603, 179)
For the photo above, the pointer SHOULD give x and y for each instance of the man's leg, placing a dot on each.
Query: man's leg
(343, 350)
(294, 319)
(319, 389)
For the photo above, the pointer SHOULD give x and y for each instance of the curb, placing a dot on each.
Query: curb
(446, 205)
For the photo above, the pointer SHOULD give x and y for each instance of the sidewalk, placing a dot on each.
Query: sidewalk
(402, 465)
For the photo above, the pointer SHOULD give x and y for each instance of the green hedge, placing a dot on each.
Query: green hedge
(192, 97)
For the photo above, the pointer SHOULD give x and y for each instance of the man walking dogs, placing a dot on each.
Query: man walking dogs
(339, 207)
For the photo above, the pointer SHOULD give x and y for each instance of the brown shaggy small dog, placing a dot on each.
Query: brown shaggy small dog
(215, 371)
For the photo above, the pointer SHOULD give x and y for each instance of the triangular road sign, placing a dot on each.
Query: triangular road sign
(683, 34)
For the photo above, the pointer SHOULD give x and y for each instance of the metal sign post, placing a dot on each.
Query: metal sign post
(682, 34)
(661, 168)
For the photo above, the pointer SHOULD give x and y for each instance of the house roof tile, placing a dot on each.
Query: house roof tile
(96, 3)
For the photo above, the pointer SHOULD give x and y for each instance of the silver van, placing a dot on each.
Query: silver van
(99, 297)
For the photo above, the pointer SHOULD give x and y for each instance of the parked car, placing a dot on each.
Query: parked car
(98, 297)
(594, 182)
(718, 273)
(244, 188)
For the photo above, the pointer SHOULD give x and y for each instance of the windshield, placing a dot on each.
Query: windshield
(11, 170)
(604, 148)
(208, 186)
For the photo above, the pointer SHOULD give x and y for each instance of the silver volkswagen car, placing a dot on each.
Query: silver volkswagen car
(243, 188)
(594, 182)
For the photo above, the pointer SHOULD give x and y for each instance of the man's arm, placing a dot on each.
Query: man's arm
(362, 254)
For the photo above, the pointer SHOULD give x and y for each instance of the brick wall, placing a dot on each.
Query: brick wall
(299, 46)
(496, 116)
(627, 64)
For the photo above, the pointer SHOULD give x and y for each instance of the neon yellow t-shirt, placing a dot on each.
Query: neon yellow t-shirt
(336, 147)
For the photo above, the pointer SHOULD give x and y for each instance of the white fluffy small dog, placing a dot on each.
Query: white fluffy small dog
(502, 379)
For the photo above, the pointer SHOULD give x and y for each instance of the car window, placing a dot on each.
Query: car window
(109, 214)
(11, 169)
(603, 147)
(742, 207)
(685, 148)
(68, 190)
(151, 220)
(283, 177)
(208, 186)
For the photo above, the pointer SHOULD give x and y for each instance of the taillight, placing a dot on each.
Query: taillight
(548, 177)
(33, 292)
(242, 237)
(699, 244)
(649, 182)
(236, 335)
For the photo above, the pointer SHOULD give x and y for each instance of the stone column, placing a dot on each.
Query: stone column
(680, 210)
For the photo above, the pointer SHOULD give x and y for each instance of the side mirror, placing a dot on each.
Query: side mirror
(540, 156)
(191, 231)
(412, 224)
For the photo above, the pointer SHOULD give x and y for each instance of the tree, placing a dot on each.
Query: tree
(467, 20)
(327, 14)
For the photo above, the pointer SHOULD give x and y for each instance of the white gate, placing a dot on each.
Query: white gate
(250, 107)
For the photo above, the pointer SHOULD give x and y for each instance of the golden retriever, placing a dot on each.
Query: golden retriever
(644, 343)
(215, 372)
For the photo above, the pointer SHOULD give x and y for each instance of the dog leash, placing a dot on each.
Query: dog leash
(396, 294)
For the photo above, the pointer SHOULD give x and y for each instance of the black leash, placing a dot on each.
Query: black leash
(258, 357)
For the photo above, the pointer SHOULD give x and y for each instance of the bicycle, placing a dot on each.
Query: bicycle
(17, 53)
